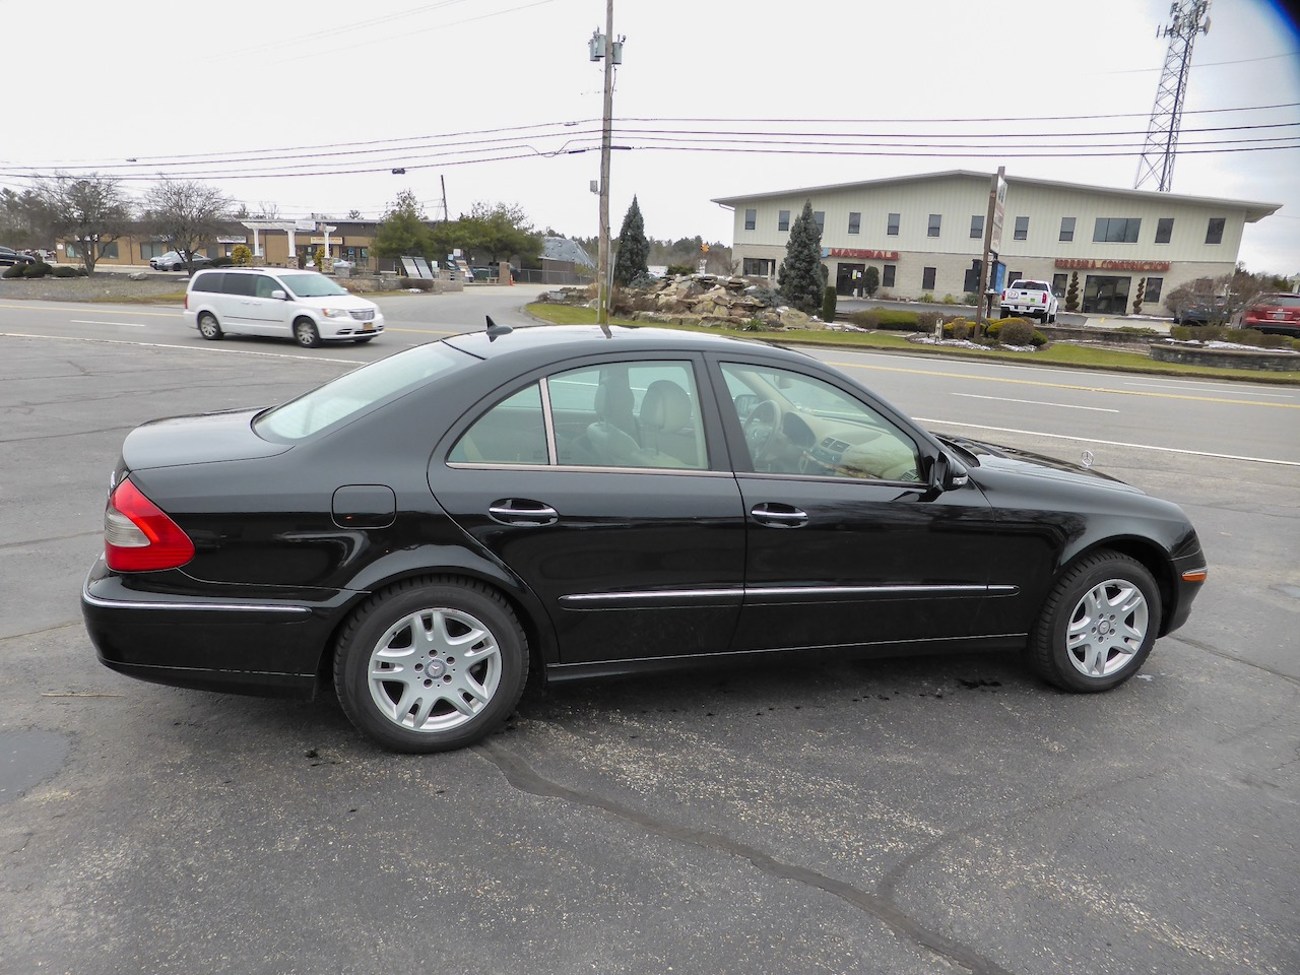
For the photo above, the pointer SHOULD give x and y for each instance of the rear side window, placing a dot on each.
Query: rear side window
(207, 281)
(240, 284)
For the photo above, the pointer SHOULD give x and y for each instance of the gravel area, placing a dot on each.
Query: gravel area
(101, 286)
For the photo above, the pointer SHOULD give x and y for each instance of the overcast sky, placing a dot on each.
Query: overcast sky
(308, 106)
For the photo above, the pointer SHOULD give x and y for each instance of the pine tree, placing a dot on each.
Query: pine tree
(1072, 293)
(802, 275)
(633, 248)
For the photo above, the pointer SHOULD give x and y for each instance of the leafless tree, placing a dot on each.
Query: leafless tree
(185, 213)
(87, 211)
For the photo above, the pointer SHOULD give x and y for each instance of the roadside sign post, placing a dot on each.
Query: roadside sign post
(992, 244)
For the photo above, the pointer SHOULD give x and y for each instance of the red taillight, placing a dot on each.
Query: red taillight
(138, 535)
(1044, 297)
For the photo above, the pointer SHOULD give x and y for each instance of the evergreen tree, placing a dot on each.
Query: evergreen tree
(402, 232)
(633, 248)
(870, 280)
(1072, 293)
(802, 275)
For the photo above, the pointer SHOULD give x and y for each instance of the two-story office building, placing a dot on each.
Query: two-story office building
(924, 233)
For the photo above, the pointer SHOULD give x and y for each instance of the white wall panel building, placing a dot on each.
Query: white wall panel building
(922, 233)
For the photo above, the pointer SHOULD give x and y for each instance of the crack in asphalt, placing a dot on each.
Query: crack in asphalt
(1207, 648)
(521, 776)
(29, 542)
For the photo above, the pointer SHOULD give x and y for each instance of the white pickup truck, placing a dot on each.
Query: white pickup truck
(1030, 299)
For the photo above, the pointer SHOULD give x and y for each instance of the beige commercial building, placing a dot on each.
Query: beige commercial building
(925, 235)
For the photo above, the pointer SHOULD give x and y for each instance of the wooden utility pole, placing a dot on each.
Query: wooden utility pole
(606, 133)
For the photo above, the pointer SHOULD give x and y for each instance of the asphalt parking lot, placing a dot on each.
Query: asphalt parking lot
(894, 816)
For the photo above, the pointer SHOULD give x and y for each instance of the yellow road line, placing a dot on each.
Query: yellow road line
(1051, 385)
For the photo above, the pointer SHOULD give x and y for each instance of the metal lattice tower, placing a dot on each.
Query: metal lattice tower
(1157, 162)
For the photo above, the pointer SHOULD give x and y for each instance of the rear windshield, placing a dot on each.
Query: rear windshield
(312, 285)
(359, 392)
(1281, 301)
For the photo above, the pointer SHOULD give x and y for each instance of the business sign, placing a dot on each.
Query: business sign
(1093, 264)
(865, 255)
(997, 211)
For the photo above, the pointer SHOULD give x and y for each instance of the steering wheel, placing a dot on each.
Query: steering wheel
(762, 428)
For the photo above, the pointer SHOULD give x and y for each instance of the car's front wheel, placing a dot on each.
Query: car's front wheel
(427, 666)
(306, 334)
(1098, 624)
(209, 328)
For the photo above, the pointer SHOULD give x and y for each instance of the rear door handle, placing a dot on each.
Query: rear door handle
(522, 512)
(776, 515)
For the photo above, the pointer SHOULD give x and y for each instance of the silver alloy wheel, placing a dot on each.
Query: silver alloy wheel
(434, 670)
(306, 334)
(208, 327)
(1107, 628)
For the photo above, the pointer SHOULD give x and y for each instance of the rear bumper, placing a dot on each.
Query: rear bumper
(250, 646)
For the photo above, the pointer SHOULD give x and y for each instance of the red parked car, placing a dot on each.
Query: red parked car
(1278, 313)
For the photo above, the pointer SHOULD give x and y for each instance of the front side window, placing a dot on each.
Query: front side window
(312, 285)
(783, 220)
(797, 424)
(1116, 230)
(855, 222)
(891, 225)
(977, 226)
(1164, 230)
(1022, 228)
(936, 221)
(1214, 231)
(1067, 229)
(751, 219)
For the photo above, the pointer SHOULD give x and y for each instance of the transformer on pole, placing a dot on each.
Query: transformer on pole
(1157, 162)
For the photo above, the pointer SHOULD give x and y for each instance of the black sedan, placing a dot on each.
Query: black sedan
(424, 530)
(10, 257)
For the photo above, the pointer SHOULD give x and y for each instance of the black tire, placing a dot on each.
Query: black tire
(209, 328)
(1004, 312)
(305, 333)
(1097, 625)
(437, 698)
(363, 340)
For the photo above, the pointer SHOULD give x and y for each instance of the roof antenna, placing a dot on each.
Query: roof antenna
(495, 331)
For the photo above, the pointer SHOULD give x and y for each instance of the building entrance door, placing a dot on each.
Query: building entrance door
(848, 278)
(1106, 295)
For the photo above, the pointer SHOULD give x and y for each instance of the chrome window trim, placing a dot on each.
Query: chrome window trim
(586, 468)
(750, 591)
(552, 451)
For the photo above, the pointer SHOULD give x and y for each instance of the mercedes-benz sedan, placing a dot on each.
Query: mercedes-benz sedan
(421, 532)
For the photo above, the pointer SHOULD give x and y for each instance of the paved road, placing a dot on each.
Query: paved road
(899, 816)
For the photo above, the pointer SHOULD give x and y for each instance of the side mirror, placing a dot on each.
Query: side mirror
(279, 295)
(946, 474)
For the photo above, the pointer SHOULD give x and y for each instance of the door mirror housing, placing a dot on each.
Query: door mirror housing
(946, 473)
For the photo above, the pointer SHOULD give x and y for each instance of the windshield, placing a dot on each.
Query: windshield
(359, 392)
(312, 285)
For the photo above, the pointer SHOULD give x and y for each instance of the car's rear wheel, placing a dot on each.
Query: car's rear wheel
(427, 666)
(1004, 312)
(1098, 624)
(209, 328)
(305, 333)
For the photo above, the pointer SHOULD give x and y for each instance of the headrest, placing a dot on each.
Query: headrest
(666, 406)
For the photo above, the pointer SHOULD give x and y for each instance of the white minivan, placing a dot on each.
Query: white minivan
(303, 305)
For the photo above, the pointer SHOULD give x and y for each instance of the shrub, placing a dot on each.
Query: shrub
(970, 298)
(958, 329)
(242, 255)
(1016, 331)
(828, 303)
(12, 271)
(68, 271)
(37, 269)
(949, 299)
(927, 320)
(928, 298)
(679, 270)
(887, 318)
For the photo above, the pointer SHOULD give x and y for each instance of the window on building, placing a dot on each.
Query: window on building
(1022, 228)
(751, 219)
(758, 267)
(150, 249)
(927, 278)
(855, 223)
(977, 226)
(1164, 230)
(1060, 282)
(783, 220)
(1116, 230)
(1067, 229)
(108, 250)
(819, 218)
(936, 221)
(891, 227)
(1214, 232)
(1015, 276)
(1152, 294)
(887, 278)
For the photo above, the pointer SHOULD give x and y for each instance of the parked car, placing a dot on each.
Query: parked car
(10, 257)
(1203, 311)
(1278, 313)
(423, 530)
(175, 261)
(305, 306)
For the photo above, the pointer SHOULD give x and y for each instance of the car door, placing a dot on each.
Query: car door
(600, 488)
(263, 313)
(847, 542)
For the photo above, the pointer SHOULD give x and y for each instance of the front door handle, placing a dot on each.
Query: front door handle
(773, 514)
(522, 512)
